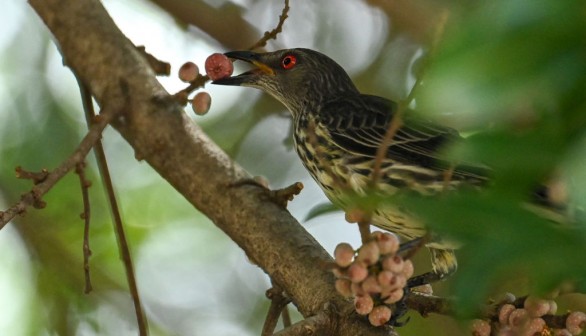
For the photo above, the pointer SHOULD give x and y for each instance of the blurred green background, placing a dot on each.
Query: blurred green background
(514, 69)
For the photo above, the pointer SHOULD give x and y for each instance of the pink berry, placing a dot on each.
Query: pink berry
(371, 285)
(379, 315)
(356, 289)
(363, 304)
(201, 103)
(536, 307)
(534, 327)
(388, 243)
(354, 215)
(368, 253)
(480, 328)
(385, 277)
(505, 313)
(394, 264)
(188, 72)
(561, 332)
(218, 66)
(357, 272)
(518, 317)
(343, 286)
(576, 322)
(344, 254)
(397, 282)
(408, 268)
(393, 296)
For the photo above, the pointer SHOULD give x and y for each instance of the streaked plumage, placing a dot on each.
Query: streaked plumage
(337, 131)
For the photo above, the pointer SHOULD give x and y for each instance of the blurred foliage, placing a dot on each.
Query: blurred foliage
(514, 70)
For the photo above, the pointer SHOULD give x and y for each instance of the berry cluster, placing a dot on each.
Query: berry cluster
(528, 320)
(217, 66)
(375, 275)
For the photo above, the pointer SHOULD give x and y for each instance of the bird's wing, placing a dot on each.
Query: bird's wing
(358, 125)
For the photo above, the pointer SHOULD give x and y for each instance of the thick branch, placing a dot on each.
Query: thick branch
(160, 133)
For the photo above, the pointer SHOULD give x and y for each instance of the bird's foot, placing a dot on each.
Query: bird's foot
(424, 279)
(420, 284)
(279, 196)
(400, 310)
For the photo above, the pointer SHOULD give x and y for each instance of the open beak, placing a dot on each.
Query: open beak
(247, 77)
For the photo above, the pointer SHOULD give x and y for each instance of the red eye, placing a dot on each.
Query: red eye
(288, 62)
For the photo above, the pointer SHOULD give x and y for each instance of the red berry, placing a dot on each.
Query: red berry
(201, 103)
(379, 315)
(344, 254)
(363, 304)
(480, 328)
(188, 72)
(218, 66)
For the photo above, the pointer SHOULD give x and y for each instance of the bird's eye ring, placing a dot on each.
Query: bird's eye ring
(288, 62)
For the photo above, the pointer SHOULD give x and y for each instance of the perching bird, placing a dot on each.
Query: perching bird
(337, 131)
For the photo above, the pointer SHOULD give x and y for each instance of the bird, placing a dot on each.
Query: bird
(337, 131)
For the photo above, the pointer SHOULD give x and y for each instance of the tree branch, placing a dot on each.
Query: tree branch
(160, 133)
(33, 197)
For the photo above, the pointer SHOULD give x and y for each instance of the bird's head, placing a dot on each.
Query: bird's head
(298, 78)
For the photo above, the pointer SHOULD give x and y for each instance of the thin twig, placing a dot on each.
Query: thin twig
(85, 215)
(124, 248)
(273, 33)
(278, 302)
(34, 196)
(286, 317)
(318, 324)
(182, 96)
(397, 120)
(383, 148)
(36, 177)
